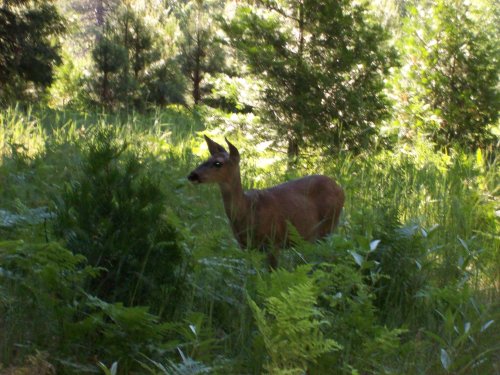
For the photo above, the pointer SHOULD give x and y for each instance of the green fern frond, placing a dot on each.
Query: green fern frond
(290, 323)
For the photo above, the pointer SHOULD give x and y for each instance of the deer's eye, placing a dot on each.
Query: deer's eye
(217, 164)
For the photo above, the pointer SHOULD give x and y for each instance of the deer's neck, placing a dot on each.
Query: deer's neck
(235, 201)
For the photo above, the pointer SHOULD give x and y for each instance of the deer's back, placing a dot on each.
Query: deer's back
(311, 204)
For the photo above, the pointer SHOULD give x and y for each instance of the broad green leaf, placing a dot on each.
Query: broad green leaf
(486, 325)
(374, 244)
(445, 359)
(357, 257)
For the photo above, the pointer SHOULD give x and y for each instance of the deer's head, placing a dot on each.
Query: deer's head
(222, 166)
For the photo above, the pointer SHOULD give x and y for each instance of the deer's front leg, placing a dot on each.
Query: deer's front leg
(272, 256)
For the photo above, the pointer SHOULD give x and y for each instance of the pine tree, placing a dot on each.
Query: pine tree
(458, 67)
(324, 64)
(131, 70)
(200, 52)
(29, 50)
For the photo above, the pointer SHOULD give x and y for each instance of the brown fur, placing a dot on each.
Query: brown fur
(261, 218)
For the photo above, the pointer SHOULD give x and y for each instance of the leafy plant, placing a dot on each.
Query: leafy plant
(290, 323)
(114, 214)
(38, 284)
(405, 268)
(452, 58)
(188, 366)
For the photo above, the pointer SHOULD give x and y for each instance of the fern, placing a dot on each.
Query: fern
(290, 324)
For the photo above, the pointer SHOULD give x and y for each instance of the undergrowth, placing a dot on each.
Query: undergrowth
(110, 262)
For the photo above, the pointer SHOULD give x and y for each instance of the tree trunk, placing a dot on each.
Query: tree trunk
(197, 74)
(196, 86)
(293, 143)
(293, 152)
(105, 90)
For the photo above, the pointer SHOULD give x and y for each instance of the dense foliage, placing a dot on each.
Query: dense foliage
(28, 53)
(323, 64)
(113, 193)
(339, 75)
(112, 262)
(201, 52)
(130, 67)
(457, 64)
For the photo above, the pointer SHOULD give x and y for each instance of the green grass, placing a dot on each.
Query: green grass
(423, 300)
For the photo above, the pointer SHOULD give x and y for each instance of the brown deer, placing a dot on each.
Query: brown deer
(261, 218)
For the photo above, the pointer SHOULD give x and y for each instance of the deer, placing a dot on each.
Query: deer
(261, 219)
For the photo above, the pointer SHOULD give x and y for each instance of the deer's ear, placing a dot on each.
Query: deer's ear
(214, 147)
(234, 154)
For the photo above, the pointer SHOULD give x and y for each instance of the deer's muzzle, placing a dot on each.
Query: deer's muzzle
(194, 177)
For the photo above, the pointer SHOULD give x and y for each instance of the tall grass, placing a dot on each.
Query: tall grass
(409, 283)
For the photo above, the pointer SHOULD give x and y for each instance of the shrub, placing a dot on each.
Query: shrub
(46, 315)
(290, 323)
(39, 285)
(114, 214)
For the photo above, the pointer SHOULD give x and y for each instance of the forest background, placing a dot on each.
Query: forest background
(111, 262)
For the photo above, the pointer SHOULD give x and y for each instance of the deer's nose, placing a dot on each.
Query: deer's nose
(193, 177)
